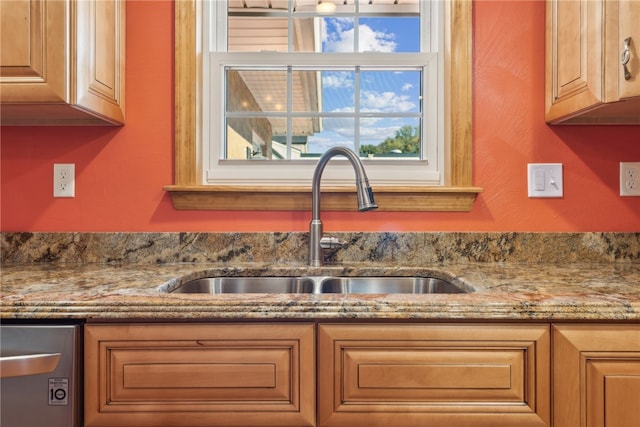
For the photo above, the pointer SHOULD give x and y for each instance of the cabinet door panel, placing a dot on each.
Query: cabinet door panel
(629, 12)
(613, 393)
(100, 79)
(436, 375)
(596, 372)
(199, 375)
(65, 62)
(23, 20)
(574, 56)
(244, 371)
(585, 81)
(570, 48)
(32, 62)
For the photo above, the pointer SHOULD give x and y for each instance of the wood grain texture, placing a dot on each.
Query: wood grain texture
(69, 67)
(199, 375)
(436, 375)
(596, 370)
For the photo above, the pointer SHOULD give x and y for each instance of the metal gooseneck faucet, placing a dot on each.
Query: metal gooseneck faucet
(366, 201)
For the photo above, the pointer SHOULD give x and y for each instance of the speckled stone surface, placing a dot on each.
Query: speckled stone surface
(512, 276)
(404, 248)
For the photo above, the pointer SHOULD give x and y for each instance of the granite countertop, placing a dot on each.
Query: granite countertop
(501, 291)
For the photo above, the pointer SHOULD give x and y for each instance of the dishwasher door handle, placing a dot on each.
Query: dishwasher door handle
(28, 364)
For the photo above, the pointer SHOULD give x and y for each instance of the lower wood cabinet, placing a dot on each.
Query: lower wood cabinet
(433, 375)
(362, 374)
(596, 375)
(169, 375)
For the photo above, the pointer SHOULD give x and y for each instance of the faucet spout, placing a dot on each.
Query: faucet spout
(366, 200)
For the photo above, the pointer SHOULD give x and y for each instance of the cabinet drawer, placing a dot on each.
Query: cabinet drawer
(196, 375)
(433, 374)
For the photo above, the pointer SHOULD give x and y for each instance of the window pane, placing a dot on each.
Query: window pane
(390, 137)
(305, 38)
(251, 138)
(396, 91)
(288, 109)
(329, 6)
(389, 34)
(257, 33)
(256, 90)
(323, 91)
(387, 116)
(333, 131)
(338, 35)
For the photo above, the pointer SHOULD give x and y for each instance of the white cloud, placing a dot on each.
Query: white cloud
(386, 101)
(337, 80)
(342, 38)
(376, 41)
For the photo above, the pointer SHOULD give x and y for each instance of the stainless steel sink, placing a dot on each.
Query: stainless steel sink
(388, 285)
(248, 285)
(321, 285)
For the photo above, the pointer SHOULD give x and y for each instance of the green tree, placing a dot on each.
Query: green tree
(406, 140)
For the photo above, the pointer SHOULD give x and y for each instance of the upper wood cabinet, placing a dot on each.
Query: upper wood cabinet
(62, 62)
(587, 42)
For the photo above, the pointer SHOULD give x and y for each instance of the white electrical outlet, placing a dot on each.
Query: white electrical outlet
(545, 180)
(630, 178)
(64, 180)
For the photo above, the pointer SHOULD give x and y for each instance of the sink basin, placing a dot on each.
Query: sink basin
(320, 285)
(248, 285)
(388, 285)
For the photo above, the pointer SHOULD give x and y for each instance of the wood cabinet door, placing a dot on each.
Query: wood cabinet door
(629, 28)
(574, 56)
(64, 62)
(99, 84)
(435, 375)
(596, 375)
(168, 375)
(32, 59)
(585, 82)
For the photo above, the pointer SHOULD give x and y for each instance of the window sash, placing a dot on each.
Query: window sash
(219, 171)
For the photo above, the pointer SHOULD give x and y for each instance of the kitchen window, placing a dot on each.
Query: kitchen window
(280, 82)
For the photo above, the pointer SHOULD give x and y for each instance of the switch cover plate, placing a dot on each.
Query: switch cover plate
(545, 180)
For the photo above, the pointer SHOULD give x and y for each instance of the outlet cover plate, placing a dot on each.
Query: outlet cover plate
(630, 178)
(64, 180)
(545, 180)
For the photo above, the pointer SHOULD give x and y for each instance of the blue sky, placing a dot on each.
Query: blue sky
(381, 91)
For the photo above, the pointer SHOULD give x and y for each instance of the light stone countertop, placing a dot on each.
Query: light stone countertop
(501, 291)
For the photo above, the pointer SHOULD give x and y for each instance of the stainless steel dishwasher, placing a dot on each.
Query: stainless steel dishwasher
(39, 370)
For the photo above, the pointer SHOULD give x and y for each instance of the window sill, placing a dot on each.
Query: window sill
(389, 199)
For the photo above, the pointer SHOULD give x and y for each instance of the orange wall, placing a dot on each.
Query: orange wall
(114, 192)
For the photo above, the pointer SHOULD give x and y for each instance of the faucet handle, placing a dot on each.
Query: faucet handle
(328, 242)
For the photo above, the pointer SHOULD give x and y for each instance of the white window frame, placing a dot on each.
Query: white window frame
(428, 171)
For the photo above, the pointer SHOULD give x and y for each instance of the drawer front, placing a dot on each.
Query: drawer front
(241, 372)
(194, 375)
(436, 375)
(433, 374)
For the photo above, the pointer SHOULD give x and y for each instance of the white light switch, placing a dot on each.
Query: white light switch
(538, 184)
(545, 179)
